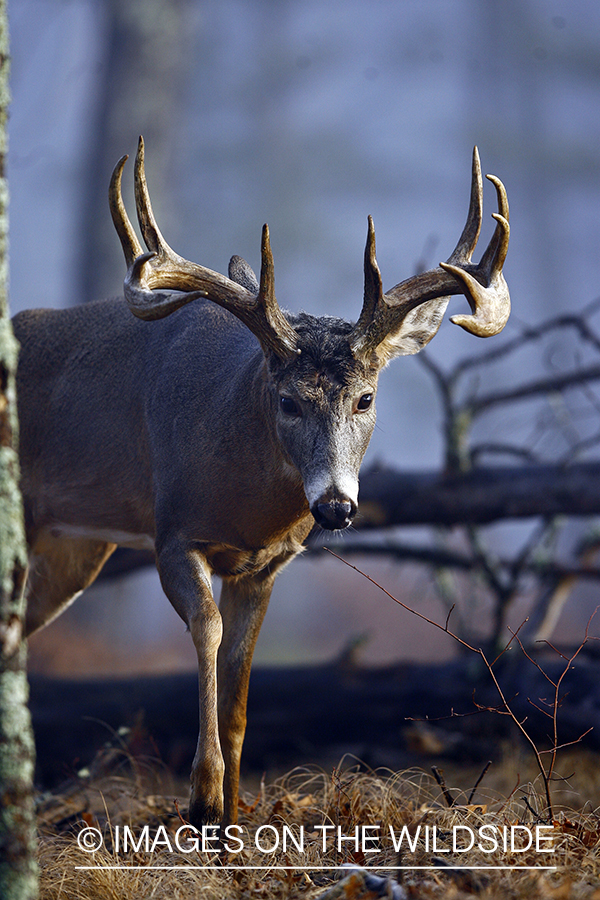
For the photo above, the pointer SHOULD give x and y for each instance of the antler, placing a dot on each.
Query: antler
(484, 286)
(160, 281)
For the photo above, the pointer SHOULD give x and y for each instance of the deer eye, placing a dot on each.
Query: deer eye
(289, 407)
(365, 401)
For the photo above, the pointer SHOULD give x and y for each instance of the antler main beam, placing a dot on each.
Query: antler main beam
(160, 281)
(483, 285)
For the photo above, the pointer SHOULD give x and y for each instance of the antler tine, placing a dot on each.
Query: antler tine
(266, 292)
(498, 246)
(129, 241)
(383, 313)
(373, 291)
(467, 242)
(278, 334)
(150, 230)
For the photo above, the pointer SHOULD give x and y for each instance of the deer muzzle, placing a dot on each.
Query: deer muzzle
(334, 514)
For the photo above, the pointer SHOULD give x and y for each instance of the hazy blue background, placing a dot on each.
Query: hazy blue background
(310, 115)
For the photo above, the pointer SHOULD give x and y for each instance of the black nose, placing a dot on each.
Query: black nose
(334, 514)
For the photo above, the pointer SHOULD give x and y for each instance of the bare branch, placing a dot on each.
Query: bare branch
(535, 388)
(546, 774)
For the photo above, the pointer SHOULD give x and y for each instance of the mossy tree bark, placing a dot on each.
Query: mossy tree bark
(18, 868)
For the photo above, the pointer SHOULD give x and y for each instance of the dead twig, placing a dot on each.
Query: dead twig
(506, 709)
(479, 780)
(438, 774)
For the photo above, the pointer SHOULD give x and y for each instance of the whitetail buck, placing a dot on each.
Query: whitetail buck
(216, 435)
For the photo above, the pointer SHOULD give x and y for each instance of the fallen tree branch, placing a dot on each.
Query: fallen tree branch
(390, 497)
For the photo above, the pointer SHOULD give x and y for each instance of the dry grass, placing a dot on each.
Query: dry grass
(298, 804)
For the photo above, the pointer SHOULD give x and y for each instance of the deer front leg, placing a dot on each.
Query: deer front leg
(243, 605)
(185, 578)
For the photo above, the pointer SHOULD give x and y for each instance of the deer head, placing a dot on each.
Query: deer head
(321, 373)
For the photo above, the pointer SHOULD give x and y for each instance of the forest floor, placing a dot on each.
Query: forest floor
(117, 831)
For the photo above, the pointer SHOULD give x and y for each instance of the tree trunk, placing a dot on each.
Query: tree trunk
(18, 867)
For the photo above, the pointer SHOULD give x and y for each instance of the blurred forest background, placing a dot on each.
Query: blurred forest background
(311, 116)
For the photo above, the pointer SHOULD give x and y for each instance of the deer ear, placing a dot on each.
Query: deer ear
(415, 330)
(243, 274)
